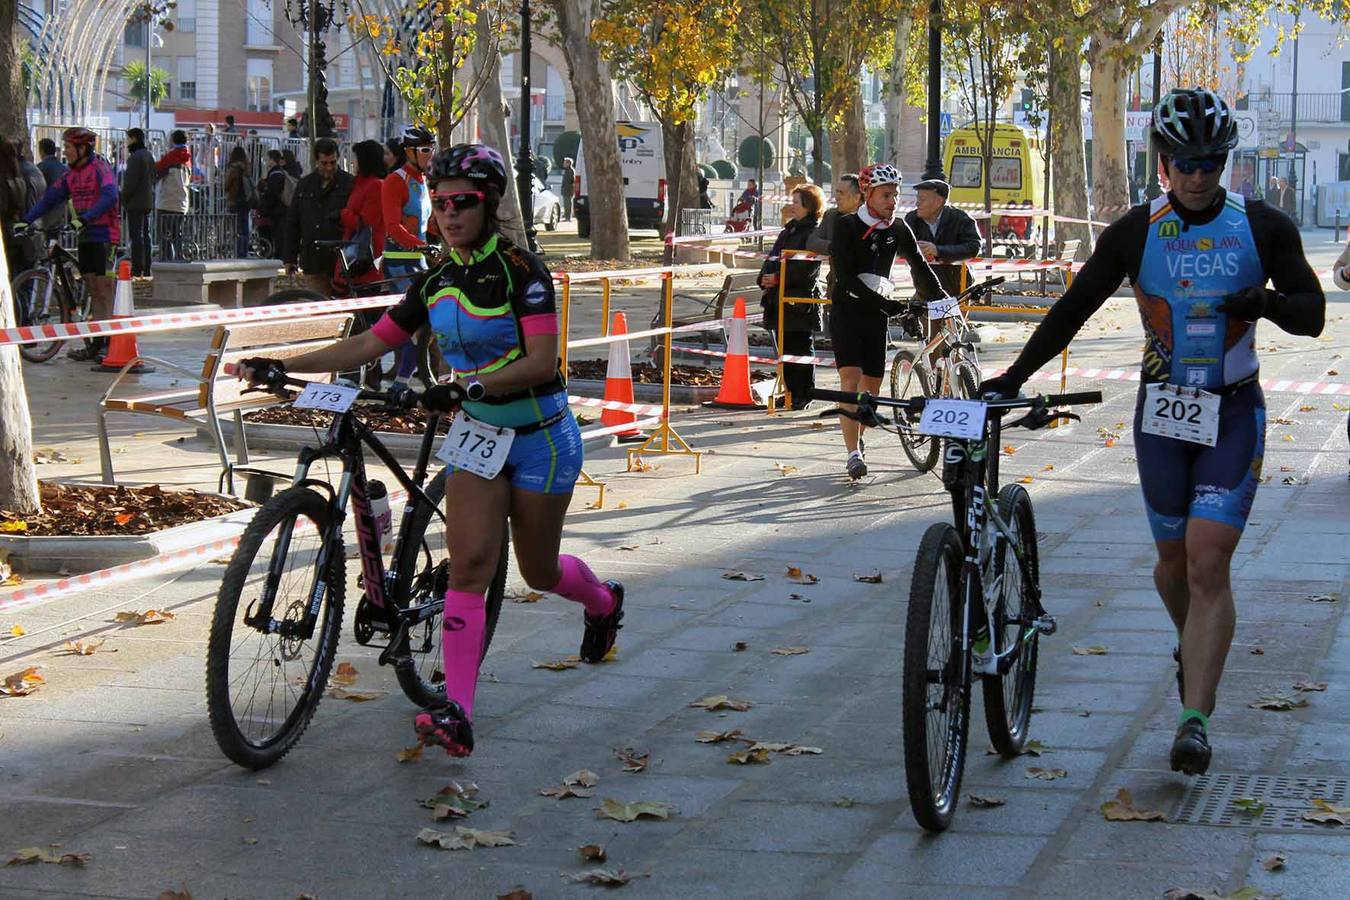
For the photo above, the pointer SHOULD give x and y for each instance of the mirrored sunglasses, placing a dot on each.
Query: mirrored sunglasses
(1208, 164)
(460, 200)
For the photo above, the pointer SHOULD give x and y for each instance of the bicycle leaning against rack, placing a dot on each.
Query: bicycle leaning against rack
(974, 598)
(947, 365)
(50, 293)
(274, 632)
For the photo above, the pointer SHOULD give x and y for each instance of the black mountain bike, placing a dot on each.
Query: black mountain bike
(50, 293)
(274, 632)
(974, 597)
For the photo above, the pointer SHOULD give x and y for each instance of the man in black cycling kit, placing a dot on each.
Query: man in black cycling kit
(862, 251)
(1198, 259)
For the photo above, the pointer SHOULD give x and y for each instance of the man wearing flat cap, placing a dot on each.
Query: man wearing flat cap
(944, 234)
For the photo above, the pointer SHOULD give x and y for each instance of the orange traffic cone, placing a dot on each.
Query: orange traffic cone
(122, 347)
(735, 390)
(619, 384)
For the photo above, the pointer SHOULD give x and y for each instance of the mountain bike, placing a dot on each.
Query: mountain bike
(946, 365)
(274, 631)
(51, 293)
(974, 598)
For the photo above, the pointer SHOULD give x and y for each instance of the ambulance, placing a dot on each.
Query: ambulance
(1016, 172)
(643, 161)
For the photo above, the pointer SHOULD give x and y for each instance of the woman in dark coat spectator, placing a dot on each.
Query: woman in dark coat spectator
(241, 194)
(800, 320)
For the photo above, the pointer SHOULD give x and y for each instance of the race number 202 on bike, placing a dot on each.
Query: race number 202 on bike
(975, 595)
(275, 628)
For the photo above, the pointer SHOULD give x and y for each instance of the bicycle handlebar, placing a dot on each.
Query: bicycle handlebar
(400, 398)
(917, 404)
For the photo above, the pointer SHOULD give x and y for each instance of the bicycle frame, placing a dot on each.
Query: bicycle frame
(345, 436)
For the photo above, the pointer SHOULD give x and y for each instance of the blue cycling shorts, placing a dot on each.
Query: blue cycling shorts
(1183, 480)
(547, 461)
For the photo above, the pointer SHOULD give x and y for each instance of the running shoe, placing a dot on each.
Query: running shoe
(1181, 680)
(857, 467)
(602, 631)
(1190, 748)
(446, 727)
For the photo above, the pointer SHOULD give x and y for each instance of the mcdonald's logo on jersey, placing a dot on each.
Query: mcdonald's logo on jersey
(1169, 229)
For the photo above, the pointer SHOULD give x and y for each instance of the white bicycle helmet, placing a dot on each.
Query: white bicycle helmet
(876, 175)
(1192, 124)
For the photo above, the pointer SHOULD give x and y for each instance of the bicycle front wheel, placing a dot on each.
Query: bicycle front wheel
(264, 680)
(910, 379)
(968, 380)
(38, 301)
(936, 686)
(423, 576)
(1008, 697)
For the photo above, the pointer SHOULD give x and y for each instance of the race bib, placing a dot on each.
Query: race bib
(1183, 414)
(476, 447)
(336, 398)
(944, 308)
(953, 418)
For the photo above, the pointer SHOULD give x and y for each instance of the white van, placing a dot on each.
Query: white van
(642, 158)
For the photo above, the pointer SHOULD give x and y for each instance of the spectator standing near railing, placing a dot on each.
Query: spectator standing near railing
(174, 170)
(800, 320)
(944, 233)
(241, 195)
(138, 200)
(272, 201)
(316, 215)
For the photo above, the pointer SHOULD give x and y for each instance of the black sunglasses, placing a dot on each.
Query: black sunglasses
(1208, 164)
(460, 200)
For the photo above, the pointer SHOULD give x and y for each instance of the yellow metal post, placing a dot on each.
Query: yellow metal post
(664, 431)
(604, 307)
(564, 320)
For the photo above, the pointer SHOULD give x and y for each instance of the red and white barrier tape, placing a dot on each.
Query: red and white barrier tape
(1274, 385)
(615, 429)
(641, 409)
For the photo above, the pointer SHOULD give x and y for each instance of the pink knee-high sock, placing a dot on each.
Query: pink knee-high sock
(579, 584)
(462, 625)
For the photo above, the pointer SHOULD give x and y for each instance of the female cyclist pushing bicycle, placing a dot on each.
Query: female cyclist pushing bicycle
(514, 449)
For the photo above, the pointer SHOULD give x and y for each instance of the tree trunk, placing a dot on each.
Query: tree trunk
(18, 479)
(593, 89)
(1068, 171)
(838, 139)
(895, 91)
(1110, 179)
(856, 149)
(493, 116)
(818, 140)
(13, 98)
(681, 171)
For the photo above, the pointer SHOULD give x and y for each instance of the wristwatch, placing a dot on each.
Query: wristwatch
(474, 390)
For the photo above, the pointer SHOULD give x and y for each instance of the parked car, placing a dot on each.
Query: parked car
(547, 206)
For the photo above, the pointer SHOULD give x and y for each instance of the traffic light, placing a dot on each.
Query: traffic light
(1028, 100)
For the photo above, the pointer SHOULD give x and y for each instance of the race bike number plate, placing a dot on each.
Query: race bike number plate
(944, 308)
(953, 418)
(1184, 414)
(476, 447)
(336, 398)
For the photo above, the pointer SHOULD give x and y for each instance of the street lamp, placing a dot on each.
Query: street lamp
(933, 166)
(151, 13)
(316, 17)
(1154, 189)
(524, 164)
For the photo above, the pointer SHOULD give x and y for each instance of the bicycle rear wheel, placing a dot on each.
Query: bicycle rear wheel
(423, 575)
(910, 379)
(1008, 697)
(39, 300)
(262, 686)
(936, 687)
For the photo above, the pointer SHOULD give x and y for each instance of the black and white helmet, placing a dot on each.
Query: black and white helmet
(1194, 123)
(416, 136)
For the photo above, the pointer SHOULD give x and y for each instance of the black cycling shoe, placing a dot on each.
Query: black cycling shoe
(856, 467)
(602, 631)
(1190, 748)
(1181, 678)
(446, 727)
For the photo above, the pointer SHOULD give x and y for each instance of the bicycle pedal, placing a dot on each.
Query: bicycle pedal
(1045, 625)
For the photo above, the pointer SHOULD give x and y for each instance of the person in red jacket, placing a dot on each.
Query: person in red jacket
(365, 206)
(407, 210)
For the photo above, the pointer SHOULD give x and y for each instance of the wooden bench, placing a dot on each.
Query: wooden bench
(690, 310)
(217, 392)
(231, 283)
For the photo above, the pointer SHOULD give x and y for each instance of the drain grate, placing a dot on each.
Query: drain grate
(1209, 800)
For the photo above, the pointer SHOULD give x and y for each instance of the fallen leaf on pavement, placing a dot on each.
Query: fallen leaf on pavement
(174, 895)
(149, 617)
(977, 800)
(346, 674)
(631, 812)
(518, 893)
(464, 838)
(81, 648)
(741, 576)
(593, 852)
(526, 597)
(846, 802)
(23, 683)
(17, 631)
(796, 575)
(1030, 748)
(582, 778)
(1089, 651)
(790, 651)
(339, 693)
(1048, 467)
(1323, 598)
(29, 855)
(1274, 863)
(1025, 479)
(557, 665)
(1279, 703)
(1327, 813)
(1046, 774)
(1309, 686)
(1009, 450)
(785, 471)
(1246, 893)
(455, 801)
(410, 754)
(873, 577)
(740, 645)
(1122, 809)
(605, 877)
(798, 750)
(633, 761)
(750, 756)
(721, 701)
(566, 791)
(717, 737)
(1257, 651)
(629, 547)
(1250, 805)
(486, 838)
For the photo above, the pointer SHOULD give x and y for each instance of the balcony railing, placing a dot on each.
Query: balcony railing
(1312, 108)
